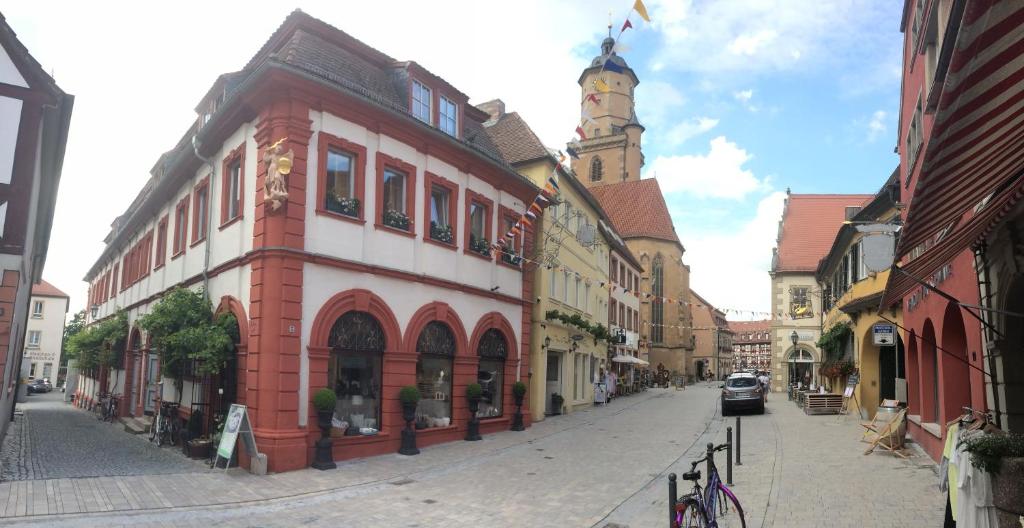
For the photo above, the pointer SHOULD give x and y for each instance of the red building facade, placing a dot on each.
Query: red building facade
(359, 279)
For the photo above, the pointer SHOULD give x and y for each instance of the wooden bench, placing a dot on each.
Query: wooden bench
(823, 403)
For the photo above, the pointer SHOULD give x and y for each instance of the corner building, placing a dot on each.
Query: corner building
(374, 271)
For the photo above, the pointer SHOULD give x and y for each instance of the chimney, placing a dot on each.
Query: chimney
(494, 108)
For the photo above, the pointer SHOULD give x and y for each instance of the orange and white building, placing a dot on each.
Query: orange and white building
(376, 270)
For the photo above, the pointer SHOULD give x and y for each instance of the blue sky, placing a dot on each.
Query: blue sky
(741, 99)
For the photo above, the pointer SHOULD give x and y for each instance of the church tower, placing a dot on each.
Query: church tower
(611, 151)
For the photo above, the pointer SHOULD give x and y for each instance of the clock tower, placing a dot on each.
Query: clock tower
(611, 151)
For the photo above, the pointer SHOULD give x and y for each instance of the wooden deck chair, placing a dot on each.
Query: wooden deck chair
(888, 436)
(879, 420)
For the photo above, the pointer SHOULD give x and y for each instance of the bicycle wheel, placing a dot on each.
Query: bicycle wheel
(726, 493)
(690, 514)
(152, 430)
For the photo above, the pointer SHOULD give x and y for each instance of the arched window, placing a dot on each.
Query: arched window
(436, 348)
(801, 367)
(492, 351)
(657, 307)
(354, 372)
(596, 169)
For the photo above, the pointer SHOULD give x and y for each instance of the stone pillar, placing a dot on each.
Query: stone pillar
(274, 351)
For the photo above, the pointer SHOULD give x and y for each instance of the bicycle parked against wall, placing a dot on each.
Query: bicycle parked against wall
(166, 427)
(702, 507)
(106, 409)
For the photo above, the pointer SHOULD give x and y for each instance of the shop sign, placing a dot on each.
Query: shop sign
(937, 278)
(237, 424)
(884, 334)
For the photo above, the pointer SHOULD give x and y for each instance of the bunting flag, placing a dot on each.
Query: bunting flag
(641, 10)
(572, 153)
(602, 86)
(541, 201)
(609, 65)
(579, 131)
(626, 26)
(593, 98)
(587, 118)
(553, 182)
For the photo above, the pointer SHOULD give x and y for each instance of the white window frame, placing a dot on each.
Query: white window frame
(34, 343)
(444, 120)
(418, 91)
(234, 200)
(37, 314)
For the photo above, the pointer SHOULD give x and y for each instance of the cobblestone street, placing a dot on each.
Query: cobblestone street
(604, 467)
(53, 440)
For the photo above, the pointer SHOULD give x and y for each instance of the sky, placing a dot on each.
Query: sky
(741, 99)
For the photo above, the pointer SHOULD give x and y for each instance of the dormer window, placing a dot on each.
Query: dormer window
(448, 120)
(421, 102)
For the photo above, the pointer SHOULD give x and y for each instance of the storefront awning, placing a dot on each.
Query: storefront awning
(972, 164)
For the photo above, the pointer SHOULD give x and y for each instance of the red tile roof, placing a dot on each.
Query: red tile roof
(45, 289)
(763, 325)
(637, 208)
(810, 223)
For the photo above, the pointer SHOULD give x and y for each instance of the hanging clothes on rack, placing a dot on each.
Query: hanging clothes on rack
(974, 489)
(948, 472)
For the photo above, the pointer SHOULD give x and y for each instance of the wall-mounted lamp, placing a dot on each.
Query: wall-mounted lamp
(547, 343)
(794, 337)
(95, 310)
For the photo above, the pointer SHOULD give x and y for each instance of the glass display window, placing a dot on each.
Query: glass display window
(354, 372)
(493, 351)
(436, 348)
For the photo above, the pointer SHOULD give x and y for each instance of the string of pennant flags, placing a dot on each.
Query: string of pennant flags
(551, 189)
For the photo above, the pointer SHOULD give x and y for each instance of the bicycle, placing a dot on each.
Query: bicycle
(702, 507)
(166, 427)
(108, 411)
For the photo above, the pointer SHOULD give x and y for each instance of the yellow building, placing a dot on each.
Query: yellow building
(713, 339)
(852, 292)
(565, 357)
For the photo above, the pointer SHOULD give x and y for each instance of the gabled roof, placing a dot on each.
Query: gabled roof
(637, 209)
(45, 289)
(738, 327)
(515, 139)
(701, 302)
(809, 224)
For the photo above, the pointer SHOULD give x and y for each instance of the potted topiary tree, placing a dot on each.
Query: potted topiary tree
(473, 393)
(556, 403)
(518, 393)
(324, 401)
(410, 397)
(1002, 456)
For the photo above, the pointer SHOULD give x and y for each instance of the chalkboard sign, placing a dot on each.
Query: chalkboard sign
(853, 380)
(237, 424)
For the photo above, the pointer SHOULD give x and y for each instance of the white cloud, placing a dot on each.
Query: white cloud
(717, 174)
(877, 127)
(736, 283)
(743, 95)
(749, 45)
(685, 130)
(657, 101)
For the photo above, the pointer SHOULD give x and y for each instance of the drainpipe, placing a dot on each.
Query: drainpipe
(982, 269)
(209, 217)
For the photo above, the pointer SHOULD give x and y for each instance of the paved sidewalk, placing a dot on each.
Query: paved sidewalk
(604, 468)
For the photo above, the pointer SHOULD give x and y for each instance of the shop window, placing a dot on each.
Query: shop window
(493, 350)
(436, 348)
(357, 348)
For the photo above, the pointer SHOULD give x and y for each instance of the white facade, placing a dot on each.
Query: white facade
(45, 333)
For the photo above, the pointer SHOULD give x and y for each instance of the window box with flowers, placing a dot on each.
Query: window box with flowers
(479, 245)
(342, 205)
(441, 233)
(396, 219)
(508, 256)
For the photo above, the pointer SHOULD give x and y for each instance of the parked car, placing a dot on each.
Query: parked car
(742, 391)
(39, 385)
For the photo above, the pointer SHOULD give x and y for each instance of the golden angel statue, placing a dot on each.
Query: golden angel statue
(279, 165)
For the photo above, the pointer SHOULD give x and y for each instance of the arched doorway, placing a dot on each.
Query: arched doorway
(493, 352)
(436, 348)
(1012, 374)
(355, 370)
(801, 367)
(956, 374)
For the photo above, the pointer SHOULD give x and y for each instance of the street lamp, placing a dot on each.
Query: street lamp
(794, 337)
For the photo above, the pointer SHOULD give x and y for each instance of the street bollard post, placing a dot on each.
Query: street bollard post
(672, 498)
(739, 437)
(728, 456)
(711, 462)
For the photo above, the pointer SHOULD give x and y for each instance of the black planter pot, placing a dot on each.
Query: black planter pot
(323, 458)
(408, 446)
(473, 431)
(517, 418)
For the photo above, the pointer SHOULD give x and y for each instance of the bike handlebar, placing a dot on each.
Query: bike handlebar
(720, 447)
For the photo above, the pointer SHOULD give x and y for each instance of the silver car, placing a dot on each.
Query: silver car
(742, 391)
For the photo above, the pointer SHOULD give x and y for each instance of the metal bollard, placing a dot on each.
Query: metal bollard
(739, 436)
(672, 498)
(728, 456)
(711, 463)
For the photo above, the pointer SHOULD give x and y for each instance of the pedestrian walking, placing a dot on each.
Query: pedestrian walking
(765, 381)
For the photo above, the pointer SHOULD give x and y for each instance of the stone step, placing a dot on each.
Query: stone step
(135, 426)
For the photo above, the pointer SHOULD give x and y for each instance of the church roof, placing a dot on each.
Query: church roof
(608, 53)
(637, 209)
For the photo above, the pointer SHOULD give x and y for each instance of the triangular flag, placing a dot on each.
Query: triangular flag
(579, 131)
(587, 118)
(593, 98)
(641, 10)
(572, 152)
(601, 86)
(626, 26)
(611, 66)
